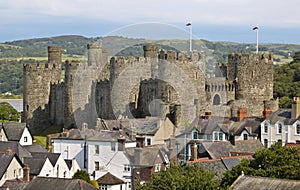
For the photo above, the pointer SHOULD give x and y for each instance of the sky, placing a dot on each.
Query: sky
(214, 20)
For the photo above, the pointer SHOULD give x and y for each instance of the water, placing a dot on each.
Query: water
(17, 104)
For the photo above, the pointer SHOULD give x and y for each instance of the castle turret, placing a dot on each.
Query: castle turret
(150, 51)
(54, 54)
(94, 54)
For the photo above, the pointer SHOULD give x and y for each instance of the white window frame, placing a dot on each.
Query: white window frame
(279, 126)
(266, 128)
(297, 132)
(217, 134)
(157, 167)
(97, 150)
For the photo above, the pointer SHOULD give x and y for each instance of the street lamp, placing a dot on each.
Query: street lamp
(189, 24)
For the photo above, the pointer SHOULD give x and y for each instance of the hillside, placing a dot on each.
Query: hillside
(14, 54)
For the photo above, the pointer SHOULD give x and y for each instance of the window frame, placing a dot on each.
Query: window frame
(97, 165)
(96, 149)
(297, 129)
(279, 128)
(266, 126)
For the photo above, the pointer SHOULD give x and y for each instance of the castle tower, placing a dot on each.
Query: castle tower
(253, 75)
(150, 51)
(94, 54)
(37, 84)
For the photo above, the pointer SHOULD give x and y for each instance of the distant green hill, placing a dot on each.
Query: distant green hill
(13, 54)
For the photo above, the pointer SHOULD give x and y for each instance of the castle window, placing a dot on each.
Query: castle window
(217, 100)
(27, 107)
(279, 129)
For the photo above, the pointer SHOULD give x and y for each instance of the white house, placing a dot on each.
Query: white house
(3, 136)
(18, 132)
(282, 126)
(11, 167)
(97, 153)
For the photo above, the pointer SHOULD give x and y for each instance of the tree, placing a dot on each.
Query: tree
(82, 174)
(275, 162)
(8, 113)
(183, 177)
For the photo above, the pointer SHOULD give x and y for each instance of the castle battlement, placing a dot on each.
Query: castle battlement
(219, 84)
(247, 57)
(40, 66)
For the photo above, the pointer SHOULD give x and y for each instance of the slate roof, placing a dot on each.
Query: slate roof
(14, 130)
(263, 183)
(53, 157)
(5, 160)
(236, 128)
(216, 149)
(35, 165)
(149, 155)
(43, 183)
(15, 184)
(109, 179)
(246, 146)
(35, 148)
(283, 115)
(16, 147)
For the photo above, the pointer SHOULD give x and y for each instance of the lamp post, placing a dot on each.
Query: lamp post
(189, 24)
(256, 28)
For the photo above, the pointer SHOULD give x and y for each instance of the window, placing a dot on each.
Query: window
(126, 168)
(266, 128)
(113, 146)
(97, 166)
(25, 139)
(298, 129)
(103, 187)
(245, 136)
(15, 173)
(195, 135)
(279, 129)
(96, 149)
(266, 143)
(157, 167)
(148, 141)
(216, 100)
(65, 174)
(218, 136)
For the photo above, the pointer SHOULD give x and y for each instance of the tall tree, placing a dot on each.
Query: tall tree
(276, 162)
(183, 177)
(8, 113)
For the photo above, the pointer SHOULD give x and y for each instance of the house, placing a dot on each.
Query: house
(47, 164)
(147, 160)
(282, 126)
(11, 166)
(110, 182)
(3, 136)
(18, 132)
(262, 183)
(20, 151)
(220, 165)
(15, 185)
(155, 129)
(46, 183)
(98, 152)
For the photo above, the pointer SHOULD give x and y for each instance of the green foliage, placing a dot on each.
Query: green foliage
(94, 183)
(185, 177)
(8, 113)
(287, 83)
(82, 174)
(40, 140)
(275, 162)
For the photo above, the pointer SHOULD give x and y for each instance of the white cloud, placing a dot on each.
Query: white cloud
(230, 12)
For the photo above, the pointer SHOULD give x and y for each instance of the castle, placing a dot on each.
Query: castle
(161, 83)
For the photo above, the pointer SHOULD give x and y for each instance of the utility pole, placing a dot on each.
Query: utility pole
(256, 28)
(190, 31)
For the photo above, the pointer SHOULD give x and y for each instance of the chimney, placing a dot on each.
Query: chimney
(296, 108)
(140, 141)
(8, 151)
(26, 173)
(267, 112)
(242, 113)
(121, 144)
(137, 156)
(195, 151)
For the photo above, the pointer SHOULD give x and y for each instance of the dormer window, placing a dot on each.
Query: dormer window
(279, 128)
(195, 135)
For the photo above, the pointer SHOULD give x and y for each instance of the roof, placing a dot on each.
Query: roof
(283, 115)
(35, 165)
(15, 184)
(262, 183)
(16, 147)
(236, 128)
(109, 179)
(35, 148)
(14, 130)
(106, 136)
(43, 183)
(246, 146)
(148, 155)
(216, 149)
(53, 157)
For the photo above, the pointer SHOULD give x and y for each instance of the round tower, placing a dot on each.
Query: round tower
(54, 54)
(94, 54)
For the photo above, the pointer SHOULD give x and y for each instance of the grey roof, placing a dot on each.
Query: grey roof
(236, 128)
(263, 183)
(35, 165)
(216, 149)
(283, 115)
(229, 162)
(15, 184)
(149, 155)
(14, 130)
(16, 147)
(106, 135)
(69, 163)
(43, 183)
(53, 157)
(246, 146)
(215, 166)
(35, 148)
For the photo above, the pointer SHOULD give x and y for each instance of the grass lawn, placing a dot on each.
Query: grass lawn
(40, 140)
